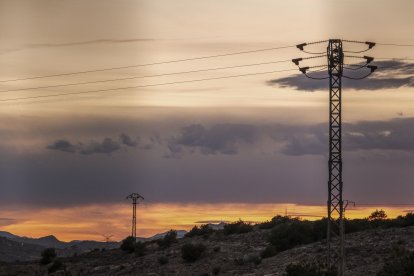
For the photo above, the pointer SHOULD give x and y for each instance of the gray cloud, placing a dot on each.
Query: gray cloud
(254, 162)
(126, 140)
(219, 138)
(106, 146)
(390, 74)
(396, 134)
(62, 145)
(292, 140)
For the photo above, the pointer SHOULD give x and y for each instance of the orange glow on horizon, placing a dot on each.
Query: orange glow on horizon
(91, 222)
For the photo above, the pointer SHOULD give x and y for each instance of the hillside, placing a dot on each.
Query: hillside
(235, 254)
(15, 248)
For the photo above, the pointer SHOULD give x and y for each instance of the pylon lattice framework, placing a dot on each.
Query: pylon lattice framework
(135, 197)
(335, 202)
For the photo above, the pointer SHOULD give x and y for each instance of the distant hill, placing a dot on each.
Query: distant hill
(13, 247)
(11, 251)
(234, 254)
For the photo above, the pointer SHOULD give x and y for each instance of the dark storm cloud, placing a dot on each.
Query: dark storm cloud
(230, 139)
(219, 138)
(390, 74)
(62, 145)
(246, 163)
(397, 134)
(126, 140)
(106, 146)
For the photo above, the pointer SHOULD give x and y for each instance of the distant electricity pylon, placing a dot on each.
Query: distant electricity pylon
(135, 197)
(107, 237)
(335, 68)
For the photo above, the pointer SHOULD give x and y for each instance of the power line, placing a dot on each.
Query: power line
(396, 44)
(148, 76)
(150, 64)
(140, 86)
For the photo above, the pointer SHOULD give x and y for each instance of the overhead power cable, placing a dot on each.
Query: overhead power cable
(147, 76)
(150, 64)
(395, 44)
(140, 86)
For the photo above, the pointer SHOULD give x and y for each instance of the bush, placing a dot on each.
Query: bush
(356, 225)
(269, 251)
(204, 230)
(192, 252)
(168, 239)
(48, 255)
(57, 265)
(407, 220)
(399, 266)
(216, 270)
(309, 269)
(253, 258)
(275, 221)
(162, 260)
(295, 269)
(128, 244)
(140, 249)
(286, 236)
(238, 227)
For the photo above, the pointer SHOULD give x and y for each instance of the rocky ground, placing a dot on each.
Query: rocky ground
(236, 254)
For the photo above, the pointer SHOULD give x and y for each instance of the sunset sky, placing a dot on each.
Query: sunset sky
(246, 147)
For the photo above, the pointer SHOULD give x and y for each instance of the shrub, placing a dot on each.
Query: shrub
(192, 252)
(295, 269)
(269, 251)
(309, 269)
(399, 266)
(162, 260)
(238, 227)
(128, 244)
(286, 236)
(140, 249)
(57, 265)
(356, 225)
(275, 221)
(253, 258)
(204, 230)
(407, 220)
(216, 270)
(48, 255)
(168, 239)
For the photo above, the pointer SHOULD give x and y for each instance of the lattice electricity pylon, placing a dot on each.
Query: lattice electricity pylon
(335, 203)
(135, 197)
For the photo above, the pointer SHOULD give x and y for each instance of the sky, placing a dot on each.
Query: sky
(245, 147)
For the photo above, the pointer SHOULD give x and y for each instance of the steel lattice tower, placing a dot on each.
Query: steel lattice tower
(135, 197)
(335, 203)
(335, 234)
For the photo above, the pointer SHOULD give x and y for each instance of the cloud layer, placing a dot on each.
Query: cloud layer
(217, 139)
(390, 74)
(106, 146)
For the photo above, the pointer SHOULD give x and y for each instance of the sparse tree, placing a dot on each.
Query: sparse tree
(377, 215)
(128, 244)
